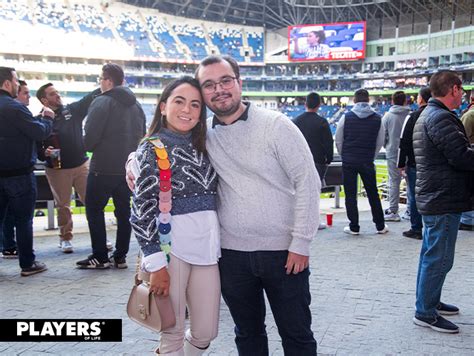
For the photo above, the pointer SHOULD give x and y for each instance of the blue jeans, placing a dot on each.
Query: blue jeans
(468, 217)
(415, 217)
(367, 174)
(99, 189)
(7, 234)
(244, 278)
(436, 260)
(18, 194)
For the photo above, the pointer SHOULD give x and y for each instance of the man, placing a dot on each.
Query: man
(115, 124)
(18, 132)
(318, 135)
(74, 164)
(392, 123)
(467, 218)
(23, 93)
(407, 165)
(444, 168)
(359, 138)
(265, 170)
(7, 236)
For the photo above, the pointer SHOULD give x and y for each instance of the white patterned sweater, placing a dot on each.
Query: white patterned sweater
(194, 224)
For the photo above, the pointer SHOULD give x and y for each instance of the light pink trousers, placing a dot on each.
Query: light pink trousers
(199, 288)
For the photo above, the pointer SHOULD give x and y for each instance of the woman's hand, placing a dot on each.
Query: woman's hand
(160, 282)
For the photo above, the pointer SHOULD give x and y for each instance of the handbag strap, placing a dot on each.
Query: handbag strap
(164, 205)
(165, 194)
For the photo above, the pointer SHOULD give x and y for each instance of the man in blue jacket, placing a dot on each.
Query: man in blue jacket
(444, 169)
(8, 241)
(19, 131)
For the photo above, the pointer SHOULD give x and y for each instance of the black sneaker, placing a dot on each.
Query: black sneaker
(447, 309)
(412, 234)
(119, 262)
(466, 227)
(437, 323)
(36, 267)
(10, 254)
(92, 263)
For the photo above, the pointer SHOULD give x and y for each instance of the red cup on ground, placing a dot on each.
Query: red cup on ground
(329, 219)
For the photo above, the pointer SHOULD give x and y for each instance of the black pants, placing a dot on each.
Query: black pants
(367, 174)
(245, 278)
(99, 189)
(322, 170)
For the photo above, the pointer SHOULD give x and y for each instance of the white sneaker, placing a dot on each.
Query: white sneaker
(66, 247)
(389, 216)
(348, 230)
(383, 231)
(110, 245)
(406, 215)
(322, 226)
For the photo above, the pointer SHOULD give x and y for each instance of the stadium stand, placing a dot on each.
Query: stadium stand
(157, 46)
(91, 20)
(228, 40)
(194, 38)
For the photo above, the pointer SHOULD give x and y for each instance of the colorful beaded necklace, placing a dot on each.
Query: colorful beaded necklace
(164, 196)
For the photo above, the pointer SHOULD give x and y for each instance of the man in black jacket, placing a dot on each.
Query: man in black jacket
(74, 164)
(114, 126)
(18, 132)
(317, 133)
(407, 165)
(444, 167)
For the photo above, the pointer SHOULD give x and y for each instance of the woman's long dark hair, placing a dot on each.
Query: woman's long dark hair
(198, 133)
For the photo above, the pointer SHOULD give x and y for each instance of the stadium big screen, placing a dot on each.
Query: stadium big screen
(334, 41)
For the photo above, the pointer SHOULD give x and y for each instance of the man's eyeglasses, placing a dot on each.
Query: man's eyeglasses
(209, 87)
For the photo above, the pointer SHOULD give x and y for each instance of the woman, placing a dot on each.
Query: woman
(191, 277)
(316, 48)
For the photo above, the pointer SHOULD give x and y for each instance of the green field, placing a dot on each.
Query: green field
(382, 177)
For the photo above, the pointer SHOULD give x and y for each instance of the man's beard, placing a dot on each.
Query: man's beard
(228, 111)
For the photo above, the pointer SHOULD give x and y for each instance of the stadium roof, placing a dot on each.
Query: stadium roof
(274, 14)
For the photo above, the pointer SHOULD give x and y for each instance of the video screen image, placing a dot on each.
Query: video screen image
(335, 41)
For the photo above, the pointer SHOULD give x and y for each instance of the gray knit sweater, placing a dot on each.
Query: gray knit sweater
(268, 188)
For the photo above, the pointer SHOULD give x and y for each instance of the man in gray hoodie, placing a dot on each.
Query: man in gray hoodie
(359, 137)
(392, 123)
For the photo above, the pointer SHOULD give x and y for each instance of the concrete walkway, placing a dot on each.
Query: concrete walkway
(363, 292)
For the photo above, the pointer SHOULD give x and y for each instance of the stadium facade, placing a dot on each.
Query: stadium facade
(66, 42)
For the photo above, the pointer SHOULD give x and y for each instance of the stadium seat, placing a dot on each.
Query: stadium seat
(356, 45)
(359, 36)
(334, 41)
